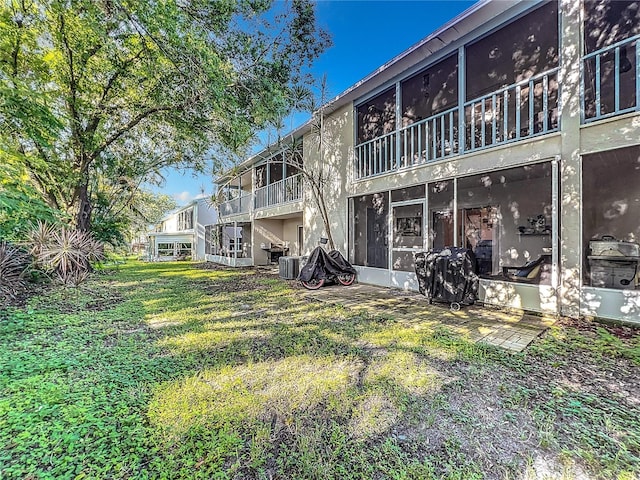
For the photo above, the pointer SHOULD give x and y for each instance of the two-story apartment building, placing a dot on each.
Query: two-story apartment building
(514, 130)
(261, 216)
(181, 234)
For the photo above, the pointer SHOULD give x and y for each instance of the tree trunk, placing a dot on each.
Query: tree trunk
(83, 220)
(318, 195)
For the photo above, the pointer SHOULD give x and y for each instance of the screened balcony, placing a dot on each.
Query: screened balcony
(280, 192)
(513, 113)
(611, 80)
(509, 92)
(516, 112)
(610, 67)
(237, 205)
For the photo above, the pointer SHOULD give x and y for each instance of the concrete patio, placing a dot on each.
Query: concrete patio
(507, 329)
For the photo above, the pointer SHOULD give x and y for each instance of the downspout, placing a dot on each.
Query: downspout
(235, 243)
(555, 274)
(455, 212)
(461, 100)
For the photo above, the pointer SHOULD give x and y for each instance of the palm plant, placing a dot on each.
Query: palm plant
(14, 264)
(68, 254)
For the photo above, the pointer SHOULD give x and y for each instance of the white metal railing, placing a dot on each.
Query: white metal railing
(429, 139)
(611, 80)
(242, 204)
(519, 111)
(376, 156)
(282, 191)
(522, 110)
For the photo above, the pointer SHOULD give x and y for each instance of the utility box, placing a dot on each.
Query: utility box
(289, 267)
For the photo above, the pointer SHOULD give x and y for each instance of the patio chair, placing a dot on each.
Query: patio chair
(535, 271)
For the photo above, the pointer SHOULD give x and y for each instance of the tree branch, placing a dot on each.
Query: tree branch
(45, 186)
(131, 124)
(95, 120)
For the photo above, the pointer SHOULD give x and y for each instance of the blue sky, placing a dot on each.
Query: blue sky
(366, 34)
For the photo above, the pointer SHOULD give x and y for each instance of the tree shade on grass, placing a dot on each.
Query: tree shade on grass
(170, 371)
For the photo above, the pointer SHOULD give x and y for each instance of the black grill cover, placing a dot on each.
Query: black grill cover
(323, 265)
(447, 275)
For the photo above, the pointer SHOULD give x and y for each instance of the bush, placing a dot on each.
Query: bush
(68, 254)
(20, 203)
(14, 264)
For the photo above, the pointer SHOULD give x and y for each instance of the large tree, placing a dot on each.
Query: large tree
(97, 92)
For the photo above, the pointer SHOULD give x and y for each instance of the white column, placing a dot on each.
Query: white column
(570, 170)
(461, 99)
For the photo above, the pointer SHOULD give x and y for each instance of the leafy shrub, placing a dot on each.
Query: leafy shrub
(20, 203)
(14, 263)
(67, 254)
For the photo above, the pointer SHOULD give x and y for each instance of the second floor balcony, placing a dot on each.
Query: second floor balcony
(525, 109)
(277, 193)
(236, 206)
(503, 86)
(280, 192)
(611, 80)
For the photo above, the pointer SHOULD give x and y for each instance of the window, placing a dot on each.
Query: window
(430, 92)
(185, 220)
(609, 71)
(165, 249)
(611, 218)
(377, 116)
(522, 49)
(370, 215)
(504, 217)
(183, 249)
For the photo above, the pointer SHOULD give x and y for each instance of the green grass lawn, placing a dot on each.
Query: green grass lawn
(166, 370)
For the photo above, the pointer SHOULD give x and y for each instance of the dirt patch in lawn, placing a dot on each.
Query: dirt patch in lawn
(525, 410)
(74, 300)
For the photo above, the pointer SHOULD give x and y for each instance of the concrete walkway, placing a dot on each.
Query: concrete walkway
(506, 329)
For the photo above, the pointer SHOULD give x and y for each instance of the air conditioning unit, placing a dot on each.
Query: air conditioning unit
(289, 267)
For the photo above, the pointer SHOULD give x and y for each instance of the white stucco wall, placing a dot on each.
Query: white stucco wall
(336, 162)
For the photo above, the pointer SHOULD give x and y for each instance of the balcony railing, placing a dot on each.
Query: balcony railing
(235, 206)
(611, 80)
(429, 139)
(522, 110)
(282, 191)
(376, 156)
(519, 111)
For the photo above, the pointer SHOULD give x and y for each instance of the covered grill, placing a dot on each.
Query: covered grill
(613, 263)
(274, 251)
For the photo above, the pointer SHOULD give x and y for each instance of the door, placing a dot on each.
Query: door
(408, 235)
(300, 239)
(479, 233)
(377, 243)
(442, 229)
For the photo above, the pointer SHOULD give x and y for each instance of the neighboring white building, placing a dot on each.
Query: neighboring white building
(513, 130)
(181, 234)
